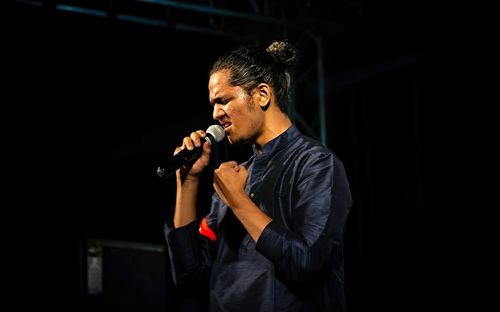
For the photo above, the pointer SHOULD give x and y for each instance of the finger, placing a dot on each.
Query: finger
(201, 133)
(188, 143)
(205, 156)
(242, 169)
(196, 138)
(230, 164)
(206, 150)
(178, 149)
(217, 190)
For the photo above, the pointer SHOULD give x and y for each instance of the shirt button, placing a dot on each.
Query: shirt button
(252, 195)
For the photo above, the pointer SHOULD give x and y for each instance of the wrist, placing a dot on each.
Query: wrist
(191, 179)
(188, 181)
(241, 200)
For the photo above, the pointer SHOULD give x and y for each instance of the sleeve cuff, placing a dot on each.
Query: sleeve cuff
(182, 247)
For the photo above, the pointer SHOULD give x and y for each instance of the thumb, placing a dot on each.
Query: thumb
(206, 151)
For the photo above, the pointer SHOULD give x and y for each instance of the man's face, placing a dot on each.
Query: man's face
(236, 110)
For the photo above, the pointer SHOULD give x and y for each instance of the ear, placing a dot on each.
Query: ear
(263, 94)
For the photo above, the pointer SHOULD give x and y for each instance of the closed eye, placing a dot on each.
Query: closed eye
(220, 100)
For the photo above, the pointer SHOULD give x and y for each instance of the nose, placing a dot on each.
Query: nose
(218, 112)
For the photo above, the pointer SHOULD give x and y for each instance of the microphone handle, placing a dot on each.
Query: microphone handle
(184, 157)
(187, 157)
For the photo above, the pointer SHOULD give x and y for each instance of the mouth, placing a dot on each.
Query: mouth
(226, 125)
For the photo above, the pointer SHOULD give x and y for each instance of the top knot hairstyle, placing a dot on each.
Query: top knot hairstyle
(249, 66)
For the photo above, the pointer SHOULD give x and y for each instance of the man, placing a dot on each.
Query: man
(274, 236)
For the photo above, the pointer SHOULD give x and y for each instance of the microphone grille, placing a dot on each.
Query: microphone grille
(217, 132)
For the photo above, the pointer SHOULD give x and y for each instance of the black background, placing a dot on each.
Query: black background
(92, 105)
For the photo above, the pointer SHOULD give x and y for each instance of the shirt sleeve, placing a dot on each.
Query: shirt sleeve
(322, 202)
(191, 254)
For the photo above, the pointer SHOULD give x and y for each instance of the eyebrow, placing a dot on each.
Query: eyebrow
(218, 99)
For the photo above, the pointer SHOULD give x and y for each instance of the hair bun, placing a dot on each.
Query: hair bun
(283, 53)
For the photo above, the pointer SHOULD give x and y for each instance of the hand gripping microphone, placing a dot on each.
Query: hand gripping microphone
(214, 134)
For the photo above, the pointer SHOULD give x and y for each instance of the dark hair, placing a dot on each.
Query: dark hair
(249, 66)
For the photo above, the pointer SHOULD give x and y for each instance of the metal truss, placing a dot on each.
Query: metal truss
(242, 21)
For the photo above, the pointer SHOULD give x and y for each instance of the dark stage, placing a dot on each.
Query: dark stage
(98, 101)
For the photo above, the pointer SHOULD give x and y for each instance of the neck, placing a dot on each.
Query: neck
(275, 123)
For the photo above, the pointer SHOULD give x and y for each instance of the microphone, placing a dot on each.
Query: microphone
(214, 134)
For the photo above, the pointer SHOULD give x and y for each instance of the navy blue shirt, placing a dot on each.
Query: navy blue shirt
(297, 262)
